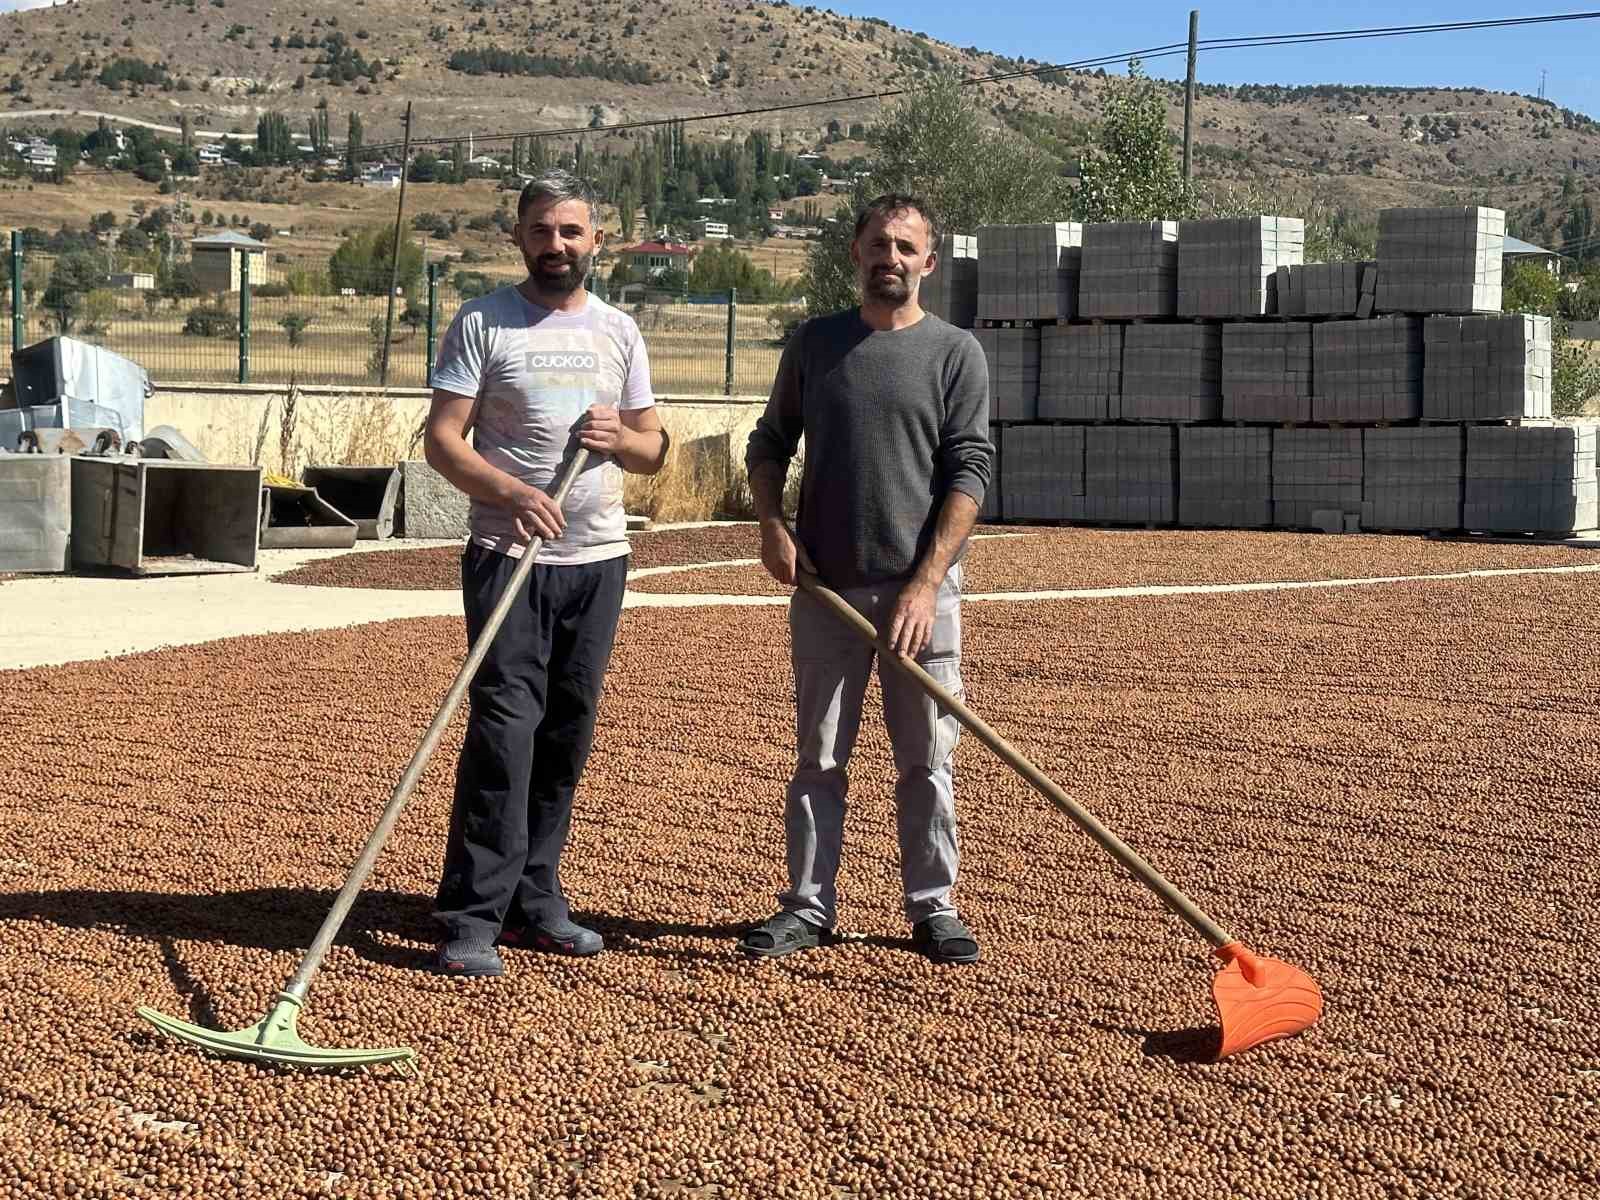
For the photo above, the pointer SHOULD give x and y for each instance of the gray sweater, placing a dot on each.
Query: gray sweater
(893, 420)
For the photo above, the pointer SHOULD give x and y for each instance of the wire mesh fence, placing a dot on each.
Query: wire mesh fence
(217, 322)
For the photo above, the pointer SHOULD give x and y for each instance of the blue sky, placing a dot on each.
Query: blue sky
(1499, 59)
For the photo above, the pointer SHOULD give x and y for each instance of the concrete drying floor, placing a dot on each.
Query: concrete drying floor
(1391, 784)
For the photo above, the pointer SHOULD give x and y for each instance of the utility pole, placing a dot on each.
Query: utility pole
(394, 255)
(1543, 72)
(1188, 100)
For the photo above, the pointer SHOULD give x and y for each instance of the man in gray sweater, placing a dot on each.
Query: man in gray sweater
(894, 407)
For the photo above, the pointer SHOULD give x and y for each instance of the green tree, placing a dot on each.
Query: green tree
(274, 142)
(353, 141)
(720, 266)
(74, 277)
(1128, 173)
(1574, 374)
(935, 144)
(295, 325)
(362, 262)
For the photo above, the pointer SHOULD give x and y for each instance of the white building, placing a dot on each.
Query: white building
(711, 231)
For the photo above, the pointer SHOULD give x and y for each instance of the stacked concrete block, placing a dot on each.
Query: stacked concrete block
(1013, 356)
(1130, 269)
(1225, 477)
(1487, 368)
(1172, 373)
(1315, 473)
(1130, 474)
(1341, 289)
(1440, 260)
(1080, 372)
(1043, 472)
(1029, 272)
(951, 292)
(1367, 370)
(1228, 267)
(1411, 478)
(1539, 480)
(1266, 371)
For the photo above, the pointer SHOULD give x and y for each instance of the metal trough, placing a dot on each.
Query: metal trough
(297, 518)
(367, 495)
(157, 517)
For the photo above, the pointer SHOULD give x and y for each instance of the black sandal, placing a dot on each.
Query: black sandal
(782, 934)
(945, 940)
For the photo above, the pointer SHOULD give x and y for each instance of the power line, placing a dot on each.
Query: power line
(1173, 48)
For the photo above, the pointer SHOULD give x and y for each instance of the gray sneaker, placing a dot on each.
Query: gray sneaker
(469, 957)
(554, 937)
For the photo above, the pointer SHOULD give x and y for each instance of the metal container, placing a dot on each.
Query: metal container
(63, 368)
(158, 517)
(35, 512)
(13, 423)
(367, 495)
(296, 518)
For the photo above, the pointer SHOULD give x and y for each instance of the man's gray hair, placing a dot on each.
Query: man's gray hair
(555, 185)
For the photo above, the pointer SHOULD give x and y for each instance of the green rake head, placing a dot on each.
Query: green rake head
(274, 1039)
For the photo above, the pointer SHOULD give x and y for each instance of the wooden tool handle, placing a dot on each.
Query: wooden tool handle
(301, 980)
(1042, 783)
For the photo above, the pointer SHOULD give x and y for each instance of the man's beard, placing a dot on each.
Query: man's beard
(557, 282)
(894, 288)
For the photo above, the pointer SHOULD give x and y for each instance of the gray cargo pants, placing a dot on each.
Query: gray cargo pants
(831, 667)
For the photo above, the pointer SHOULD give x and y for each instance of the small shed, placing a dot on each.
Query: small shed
(216, 260)
(1516, 250)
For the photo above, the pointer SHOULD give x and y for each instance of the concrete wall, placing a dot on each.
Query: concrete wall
(334, 426)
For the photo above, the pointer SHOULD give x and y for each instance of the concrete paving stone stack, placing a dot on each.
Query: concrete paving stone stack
(1411, 478)
(1013, 356)
(951, 292)
(1172, 373)
(1080, 372)
(1228, 266)
(1489, 368)
(1130, 269)
(1043, 472)
(1225, 477)
(1367, 370)
(1325, 289)
(1532, 479)
(1315, 471)
(1266, 371)
(1440, 260)
(1130, 474)
(1029, 272)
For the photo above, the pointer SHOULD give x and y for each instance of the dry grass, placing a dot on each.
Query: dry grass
(703, 479)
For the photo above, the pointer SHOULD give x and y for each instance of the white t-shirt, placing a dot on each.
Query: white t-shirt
(535, 372)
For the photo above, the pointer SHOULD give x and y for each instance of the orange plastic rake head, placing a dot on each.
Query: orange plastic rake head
(1260, 999)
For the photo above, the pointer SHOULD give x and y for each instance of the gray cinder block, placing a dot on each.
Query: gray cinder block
(1440, 260)
(432, 506)
(1226, 265)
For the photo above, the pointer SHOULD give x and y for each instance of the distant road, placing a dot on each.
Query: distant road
(89, 112)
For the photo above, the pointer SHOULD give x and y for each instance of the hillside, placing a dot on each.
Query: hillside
(224, 62)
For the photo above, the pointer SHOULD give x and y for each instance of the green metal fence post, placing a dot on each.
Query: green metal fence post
(733, 315)
(244, 316)
(18, 329)
(433, 319)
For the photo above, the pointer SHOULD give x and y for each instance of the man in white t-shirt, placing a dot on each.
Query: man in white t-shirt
(532, 372)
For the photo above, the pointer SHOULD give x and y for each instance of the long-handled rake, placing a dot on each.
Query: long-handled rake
(274, 1038)
(1258, 998)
